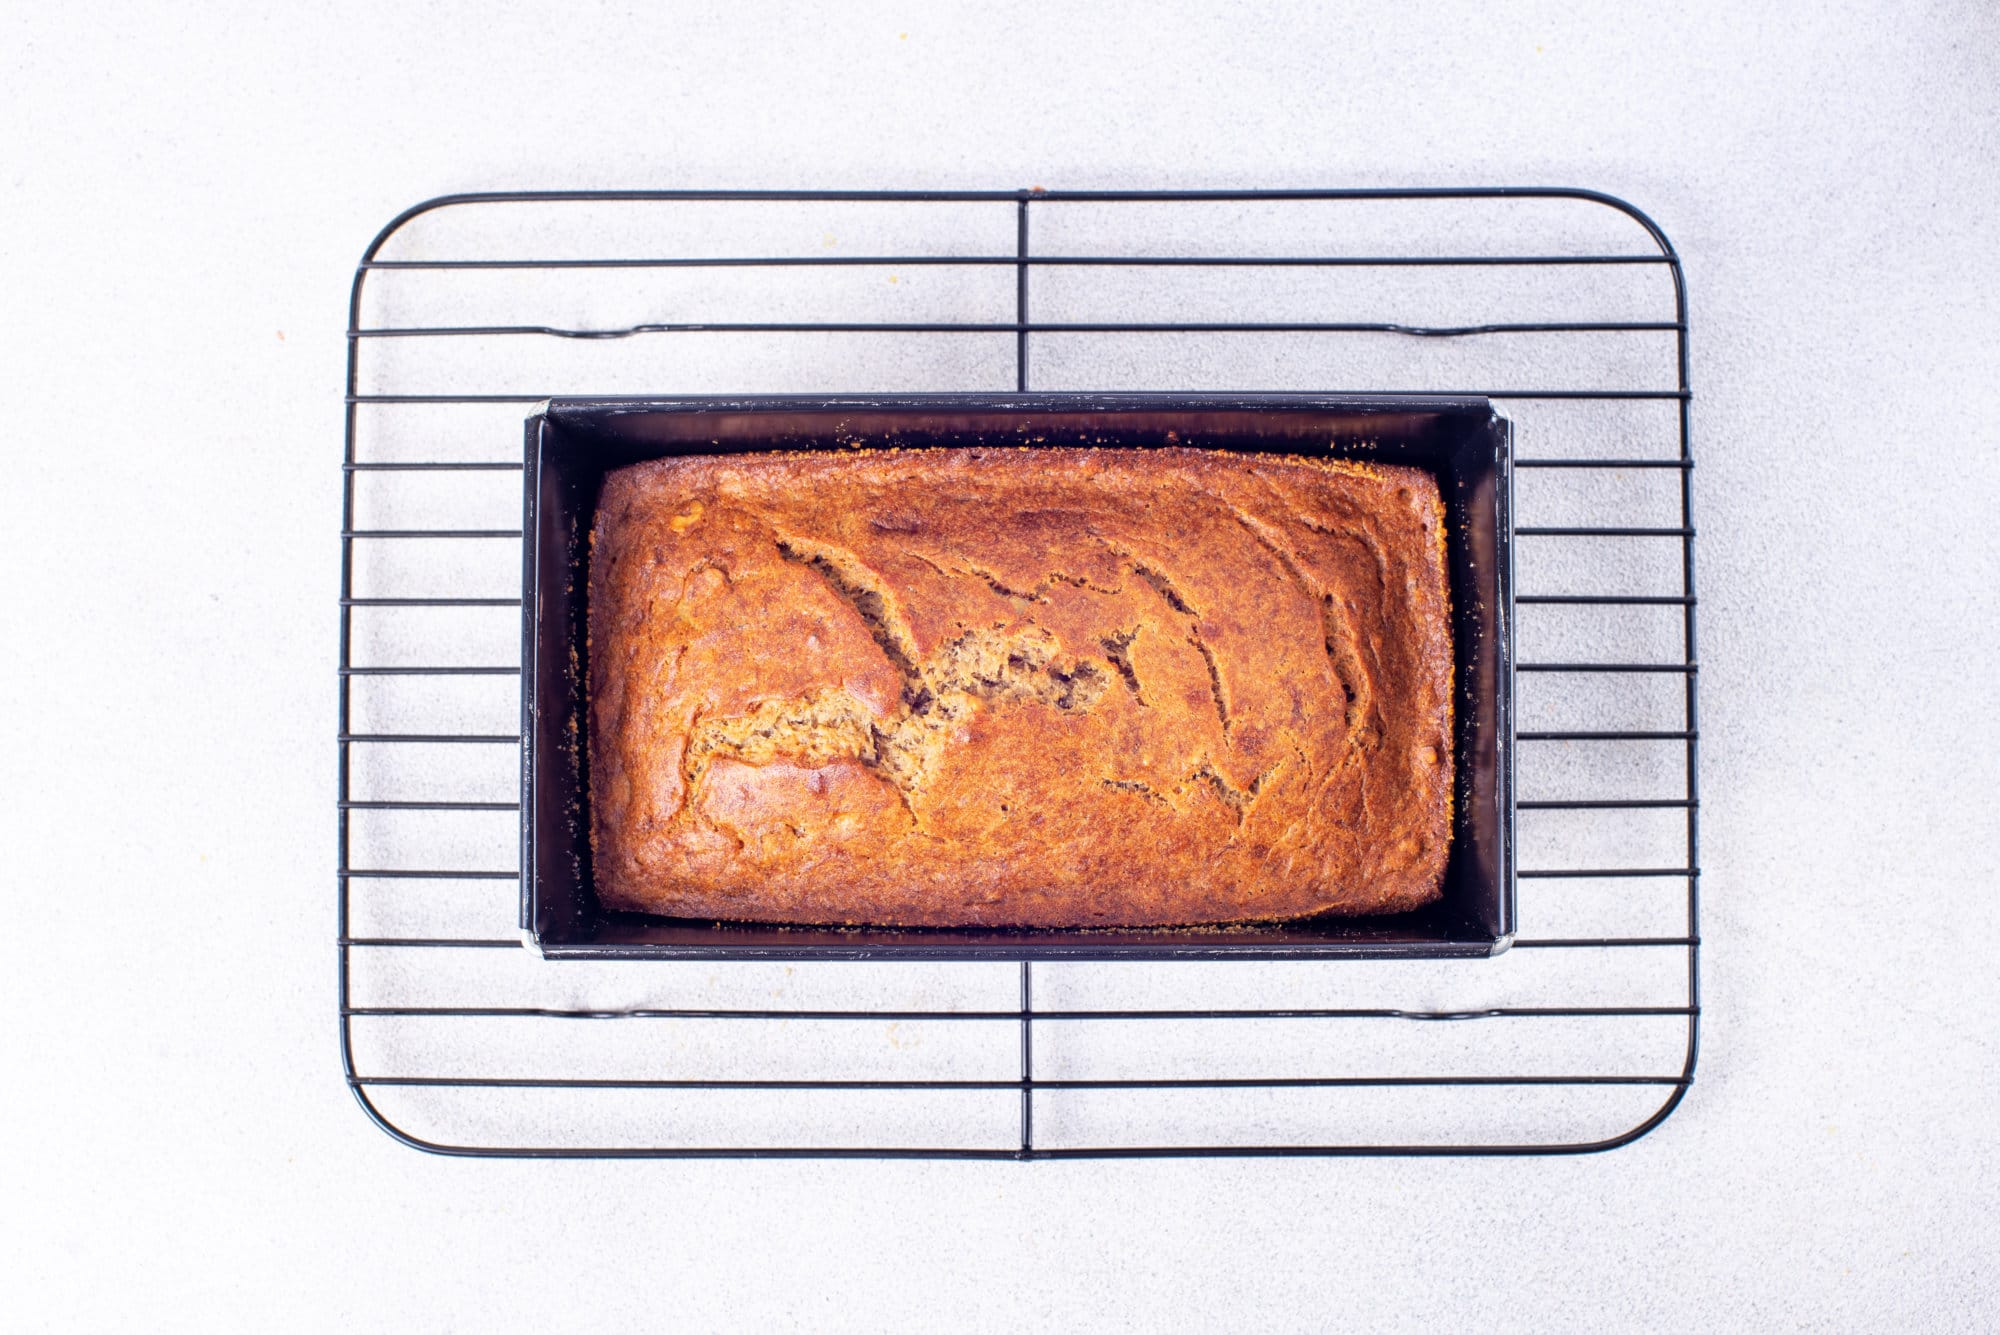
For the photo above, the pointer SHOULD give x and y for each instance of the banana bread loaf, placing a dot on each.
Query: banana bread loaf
(1034, 687)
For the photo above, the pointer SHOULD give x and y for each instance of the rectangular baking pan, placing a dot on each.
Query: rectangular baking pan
(572, 443)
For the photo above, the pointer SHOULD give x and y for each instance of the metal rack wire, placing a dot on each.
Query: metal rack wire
(1566, 307)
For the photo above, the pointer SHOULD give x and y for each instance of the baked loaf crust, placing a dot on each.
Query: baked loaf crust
(1008, 686)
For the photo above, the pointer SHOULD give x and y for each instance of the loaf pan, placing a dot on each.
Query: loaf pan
(573, 443)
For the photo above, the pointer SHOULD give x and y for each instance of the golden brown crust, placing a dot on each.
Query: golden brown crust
(1054, 687)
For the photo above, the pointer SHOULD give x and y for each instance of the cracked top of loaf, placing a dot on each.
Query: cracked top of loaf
(1010, 686)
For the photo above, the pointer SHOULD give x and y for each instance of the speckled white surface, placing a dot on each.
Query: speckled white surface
(183, 200)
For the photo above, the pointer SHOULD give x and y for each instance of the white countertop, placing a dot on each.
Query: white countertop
(182, 200)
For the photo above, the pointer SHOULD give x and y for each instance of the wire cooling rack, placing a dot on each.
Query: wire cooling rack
(1565, 307)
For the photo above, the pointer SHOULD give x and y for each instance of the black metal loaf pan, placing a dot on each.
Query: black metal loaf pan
(571, 444)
